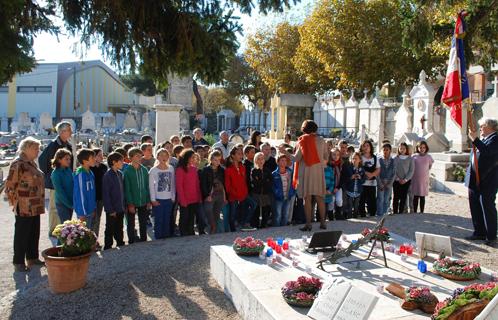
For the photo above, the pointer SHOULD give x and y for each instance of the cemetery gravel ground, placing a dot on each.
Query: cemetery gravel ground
(170, 279)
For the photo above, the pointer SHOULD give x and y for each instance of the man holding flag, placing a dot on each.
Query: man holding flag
(482, 173)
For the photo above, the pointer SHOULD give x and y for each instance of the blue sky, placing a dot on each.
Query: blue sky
(48, 48)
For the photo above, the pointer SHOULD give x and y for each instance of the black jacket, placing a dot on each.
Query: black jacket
(271, 164)
(98, 173)
(487, 160)
(206, 178)
(45, 159)
(113, 191)
(249, 165)
(261, 181)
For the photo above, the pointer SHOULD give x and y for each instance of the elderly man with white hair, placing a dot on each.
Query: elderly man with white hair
(224, 145)
(199, 138)
(482, 181)
(64, 133)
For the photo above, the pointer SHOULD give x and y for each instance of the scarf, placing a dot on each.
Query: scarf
(310, 155)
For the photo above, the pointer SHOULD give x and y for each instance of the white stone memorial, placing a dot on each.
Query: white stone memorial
(167, 120)
(490, 107)
(323, 125)
(331, 113)
(340, 112)
(46, 121)
(364, 110)
(376, 123)
(88, 121)
(404, 119)
(352, 114)
(146, 124)
(131, 121)
(4, 124)
(329, 301)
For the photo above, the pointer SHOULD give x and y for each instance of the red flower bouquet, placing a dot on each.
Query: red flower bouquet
(459, 270)
(302, 292)
(248, 246)
(382, 234)
(420, 298)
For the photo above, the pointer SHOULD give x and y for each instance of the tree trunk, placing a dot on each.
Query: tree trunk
(199, 108)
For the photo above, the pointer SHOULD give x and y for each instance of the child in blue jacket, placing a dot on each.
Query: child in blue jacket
(329, 187)
(84, 198)
(283, 191)
(352, 178)
(62, 179)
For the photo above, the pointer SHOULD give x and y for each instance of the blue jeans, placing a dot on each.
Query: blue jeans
(281, 215)
(383, 200)
(64, 212)
(162, 218)
(239, 212)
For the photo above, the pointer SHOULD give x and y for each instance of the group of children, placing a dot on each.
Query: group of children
(250, 187)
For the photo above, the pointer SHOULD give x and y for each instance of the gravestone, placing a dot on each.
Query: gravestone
(316, 112)
(184, 120)
(130, 120)
(46, 121)
(167, 120)
(88, 121)
(377, 122)
(364, 110)
(4, 124)
(329, 301)
(146, 124)
(404, 119)
(422, 96)
(120, 119)
(324, 118)
(357, 305)
(331, 112)
(352, 114)
(24, 121)
(14, 126)
(490, 107)
(341, 113)
(108, 121)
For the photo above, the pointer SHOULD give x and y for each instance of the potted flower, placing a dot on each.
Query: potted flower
(459, 173)
(248, 246)
(67, 264)
(302, 292)
(466, 303)
(382, 234)
(419, 298)
(459, 270)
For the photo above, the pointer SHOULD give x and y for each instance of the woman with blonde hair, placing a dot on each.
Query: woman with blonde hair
(26, 194)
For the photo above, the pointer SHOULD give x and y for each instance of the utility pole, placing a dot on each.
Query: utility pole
(74, 92)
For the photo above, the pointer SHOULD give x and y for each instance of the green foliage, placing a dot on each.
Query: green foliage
(243, 82)
(216, 98)
(210, 139)
(140, 84)
(270, 53)
(20, 21)
(157, 38)
(430, 23)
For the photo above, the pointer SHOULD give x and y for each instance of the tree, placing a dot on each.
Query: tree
(140, 84)
(214, 99)
(19, 22)
(356, 43)
(156, 37)
(270, 53)
(430, 23)
(243, 82)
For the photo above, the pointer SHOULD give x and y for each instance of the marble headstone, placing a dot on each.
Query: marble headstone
(88, 121)
(130, 121)
(46, 121)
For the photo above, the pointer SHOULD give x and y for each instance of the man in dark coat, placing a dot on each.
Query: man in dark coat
(482, 181)
(64, 132)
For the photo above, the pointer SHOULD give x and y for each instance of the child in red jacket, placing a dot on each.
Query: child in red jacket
(188, 190)
(236, 189)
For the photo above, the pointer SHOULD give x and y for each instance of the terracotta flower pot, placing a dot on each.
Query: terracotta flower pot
(65, 274)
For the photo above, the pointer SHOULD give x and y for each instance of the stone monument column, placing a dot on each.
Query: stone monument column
(364, 110)
(352, 113)
(167, 120)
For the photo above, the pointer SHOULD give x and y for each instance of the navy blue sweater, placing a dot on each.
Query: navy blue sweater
(113, 191)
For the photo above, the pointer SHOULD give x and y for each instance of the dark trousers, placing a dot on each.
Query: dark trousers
(400, 192)
(263, 213)
(351, 207)
(298, 216)
(416, 200)
(113, 230)
(64, 212)
(483, 211)
(26, 238)
(187, 216)
(368, 197)
(142, 224)
(162, 218)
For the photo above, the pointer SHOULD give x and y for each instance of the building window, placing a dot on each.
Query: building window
(4, 89)
(43, 89)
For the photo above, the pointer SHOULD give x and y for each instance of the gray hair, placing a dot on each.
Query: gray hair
(62, 126)
(224, 132)
(27, 143)
(489, 122)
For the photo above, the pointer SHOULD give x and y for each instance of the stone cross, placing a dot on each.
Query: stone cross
(422, 77)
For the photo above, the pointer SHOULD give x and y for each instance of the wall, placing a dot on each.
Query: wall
(34, 103)
(95, 88)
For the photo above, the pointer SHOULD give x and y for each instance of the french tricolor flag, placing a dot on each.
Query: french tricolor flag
(456, 87)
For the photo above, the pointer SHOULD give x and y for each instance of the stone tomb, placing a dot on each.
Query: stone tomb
(88, 121)
(254, 287)
(46, 121)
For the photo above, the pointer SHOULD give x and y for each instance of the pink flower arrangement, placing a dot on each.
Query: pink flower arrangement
(248, 245)
(301, 292)
(459, 268)
(420, 295)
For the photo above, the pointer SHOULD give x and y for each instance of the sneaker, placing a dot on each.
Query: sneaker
(248, 229)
